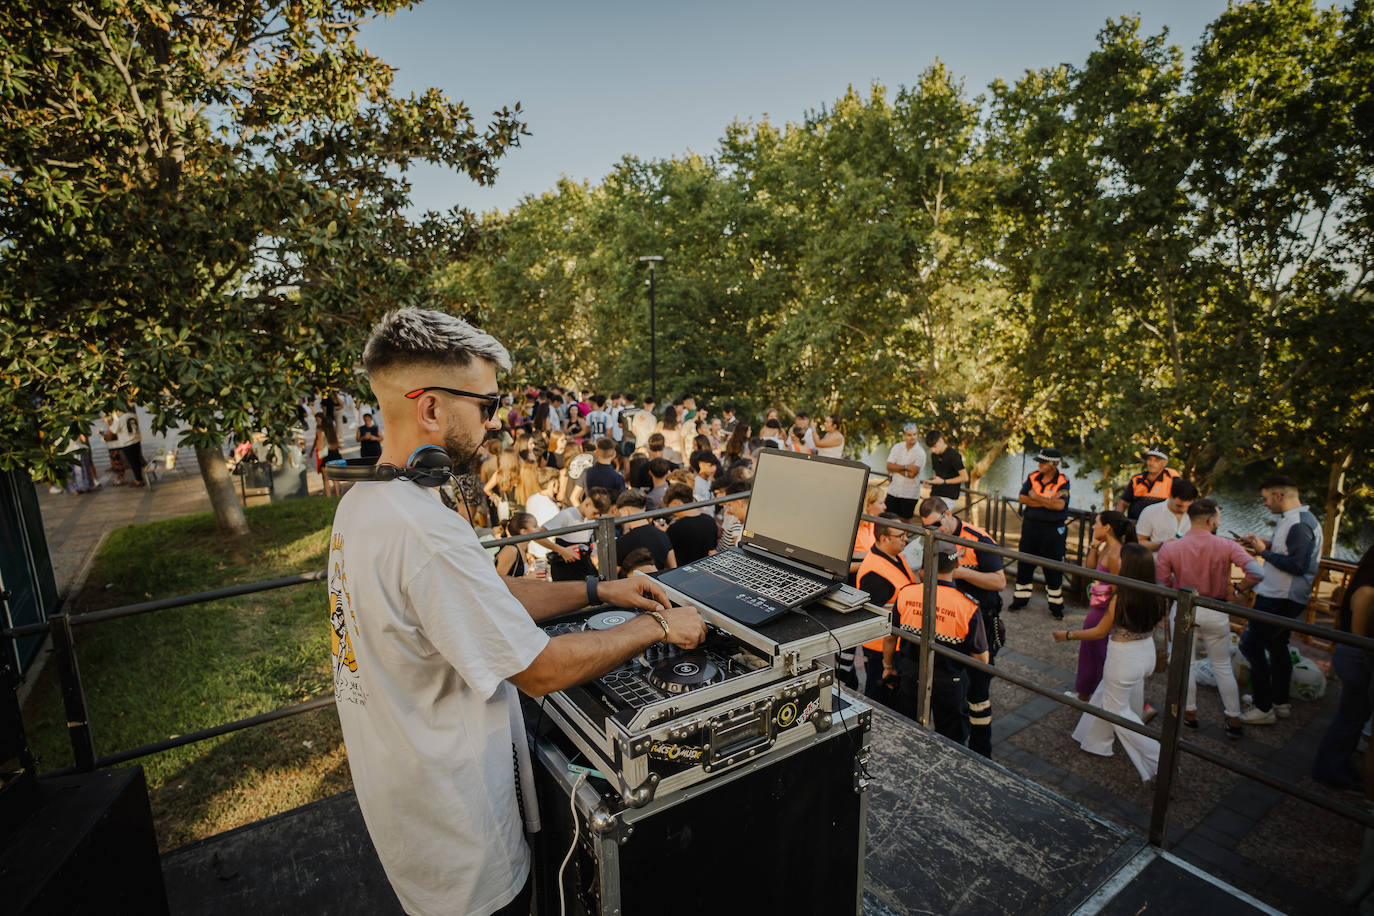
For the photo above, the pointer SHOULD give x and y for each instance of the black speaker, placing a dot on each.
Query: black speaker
(85, 844)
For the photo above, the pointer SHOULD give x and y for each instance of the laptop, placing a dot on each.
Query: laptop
(798, 534)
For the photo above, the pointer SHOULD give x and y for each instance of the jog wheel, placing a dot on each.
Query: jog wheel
(684, 672)
(605, 620)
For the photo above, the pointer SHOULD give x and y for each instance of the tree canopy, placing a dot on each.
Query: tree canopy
(202, 211)
(1130, 250)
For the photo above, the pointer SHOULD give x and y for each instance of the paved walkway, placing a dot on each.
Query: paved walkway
(76, 523)
(1287, 853)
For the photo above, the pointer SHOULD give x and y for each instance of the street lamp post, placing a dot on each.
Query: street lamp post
(652, 260)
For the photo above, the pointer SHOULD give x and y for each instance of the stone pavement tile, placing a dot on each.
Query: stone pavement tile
(1230, 823)
(1003, 727)
(1197, 789)
(1316, 848)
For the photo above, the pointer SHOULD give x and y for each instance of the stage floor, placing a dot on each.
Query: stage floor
(948, 832)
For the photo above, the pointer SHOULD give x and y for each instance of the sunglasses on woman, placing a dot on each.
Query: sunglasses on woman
(489, 401)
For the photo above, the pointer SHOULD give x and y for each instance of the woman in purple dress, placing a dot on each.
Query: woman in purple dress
(1111, 530)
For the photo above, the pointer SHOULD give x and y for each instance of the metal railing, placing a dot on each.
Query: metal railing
(62, 627)
(1176, 676)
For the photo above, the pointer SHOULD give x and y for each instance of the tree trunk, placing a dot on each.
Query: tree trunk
(1108, 488)
(984, 464)
(1335, 498)
(228, 511)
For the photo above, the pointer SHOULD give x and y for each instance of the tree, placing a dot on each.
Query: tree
(203, 212)
(1178, 242)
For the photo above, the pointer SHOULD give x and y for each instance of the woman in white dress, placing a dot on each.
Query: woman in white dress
(1130, 659)
(830, 443)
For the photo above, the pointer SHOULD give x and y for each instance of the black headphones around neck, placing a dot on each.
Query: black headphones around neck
(428, 466)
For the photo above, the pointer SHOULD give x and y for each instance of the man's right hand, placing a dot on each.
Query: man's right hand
(686, 629)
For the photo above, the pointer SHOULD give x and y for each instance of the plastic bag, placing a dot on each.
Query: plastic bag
(1308, 682)
(1203, 673)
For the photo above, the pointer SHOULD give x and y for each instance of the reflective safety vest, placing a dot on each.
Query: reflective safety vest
(1143, 488)
(864, 538)
(967, 555)
(900, 579)
(953, 611)
(1050, 490)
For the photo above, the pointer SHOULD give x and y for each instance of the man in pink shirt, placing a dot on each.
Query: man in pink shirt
(1202, 560)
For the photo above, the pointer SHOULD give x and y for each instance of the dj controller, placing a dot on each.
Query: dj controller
(670, 718)
(741, 750)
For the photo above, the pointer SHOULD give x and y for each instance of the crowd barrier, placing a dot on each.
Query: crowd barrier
(62, 627)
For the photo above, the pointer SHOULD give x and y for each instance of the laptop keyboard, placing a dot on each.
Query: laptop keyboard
(782, 586)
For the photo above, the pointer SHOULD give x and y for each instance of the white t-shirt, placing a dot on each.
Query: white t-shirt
(425, 634)
(571, 516)
(642, 423)
(914, 457)
(543, 509)
(1158, 524)
(598, 424)
(126, 429)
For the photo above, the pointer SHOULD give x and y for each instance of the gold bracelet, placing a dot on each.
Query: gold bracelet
(661, 622)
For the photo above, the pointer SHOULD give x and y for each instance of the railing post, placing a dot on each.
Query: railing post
(927, 654)
(73, 695)
(607, 561)
(1176, 686)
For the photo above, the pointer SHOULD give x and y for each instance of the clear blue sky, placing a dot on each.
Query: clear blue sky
(599, 80)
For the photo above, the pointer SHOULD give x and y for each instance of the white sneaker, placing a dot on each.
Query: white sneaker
(1256, 716)
(55, 490)
(1282, 710)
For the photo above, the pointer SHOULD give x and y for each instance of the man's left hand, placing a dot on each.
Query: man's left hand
(635, 591)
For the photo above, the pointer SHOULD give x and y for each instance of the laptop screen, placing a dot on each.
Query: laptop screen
(806, 508)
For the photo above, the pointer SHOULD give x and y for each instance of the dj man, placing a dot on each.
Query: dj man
(430, 643)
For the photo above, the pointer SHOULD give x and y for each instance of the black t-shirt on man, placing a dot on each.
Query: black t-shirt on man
(651, 538)
(693, 537)
(945, 465)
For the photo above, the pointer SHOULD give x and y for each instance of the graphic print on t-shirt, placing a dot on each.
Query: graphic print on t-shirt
(347, 686)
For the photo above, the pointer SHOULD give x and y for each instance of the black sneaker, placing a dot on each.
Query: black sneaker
(1234, 732)
(1057, 613)
(1017, 605)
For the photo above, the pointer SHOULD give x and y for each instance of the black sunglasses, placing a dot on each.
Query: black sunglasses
(489, 401)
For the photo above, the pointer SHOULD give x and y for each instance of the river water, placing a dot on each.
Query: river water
(1240, 511)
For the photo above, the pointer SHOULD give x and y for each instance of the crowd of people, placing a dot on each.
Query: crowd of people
(562, 458)
(434, 631)
(1159, 532)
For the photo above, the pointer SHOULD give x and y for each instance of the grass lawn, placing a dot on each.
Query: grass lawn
(165, 673)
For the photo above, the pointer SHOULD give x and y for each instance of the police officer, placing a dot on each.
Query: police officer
(1045, 494)
(958, 625)
(978, 575)
(1150, 486)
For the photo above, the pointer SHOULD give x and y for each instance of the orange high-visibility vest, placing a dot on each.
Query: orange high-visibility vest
(900, 578)
(1048, 490)
(864, 538)
(1142, 488)
(953, 611)
(967, 555)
